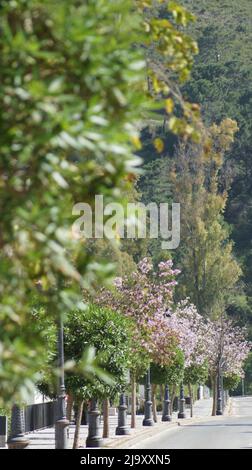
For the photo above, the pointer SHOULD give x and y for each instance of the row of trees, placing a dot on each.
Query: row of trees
(136, 325)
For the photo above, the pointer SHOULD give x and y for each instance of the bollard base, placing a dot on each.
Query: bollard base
(19, 442)
(148, 422)
(122, 431)
(166, 418)
(181, 415)
(94, 442)
(61, 434)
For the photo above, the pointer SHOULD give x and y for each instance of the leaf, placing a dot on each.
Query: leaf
(59, 179)
(158, 144)
(136, 141)
(56, 85)
(169, 105)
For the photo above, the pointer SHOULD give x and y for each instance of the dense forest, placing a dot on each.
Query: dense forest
(220, 83)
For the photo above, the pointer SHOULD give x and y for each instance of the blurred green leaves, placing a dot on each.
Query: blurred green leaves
(73, 92)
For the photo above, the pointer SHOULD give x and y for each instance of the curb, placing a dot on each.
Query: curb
(140, 435)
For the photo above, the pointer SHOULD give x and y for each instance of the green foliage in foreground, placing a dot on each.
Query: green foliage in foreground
(73, 90)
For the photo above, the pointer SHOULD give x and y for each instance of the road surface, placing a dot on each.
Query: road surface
(222, 432)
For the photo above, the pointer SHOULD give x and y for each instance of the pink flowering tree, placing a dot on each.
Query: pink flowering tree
(227, 349)
(190, 328)
(146, 296)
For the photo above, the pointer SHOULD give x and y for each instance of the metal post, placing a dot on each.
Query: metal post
(94, 439)
(3, 432)
(148, 421)
(219, 393)
(182, 413)
(122, 428)
(166, 405)
(17, 439)
(61, 425)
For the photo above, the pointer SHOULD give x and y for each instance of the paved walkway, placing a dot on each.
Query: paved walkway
(44, 438)
(203, 408)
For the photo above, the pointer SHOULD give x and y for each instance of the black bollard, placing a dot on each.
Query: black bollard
(122, 428)
(166, 405)
(148, 421)
(94, 438)
(17, 439)
(182, 413)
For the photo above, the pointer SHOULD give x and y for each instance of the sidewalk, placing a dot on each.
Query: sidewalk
(203, 408)
(44, 438)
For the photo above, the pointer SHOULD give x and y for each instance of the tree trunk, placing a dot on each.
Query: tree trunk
(106, 418)
(154, 402)
(77, 425)
(214, 387)
(69, 408)
(191, 399)
(133, 400)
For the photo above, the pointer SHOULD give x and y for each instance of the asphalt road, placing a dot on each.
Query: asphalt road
(222, 432)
